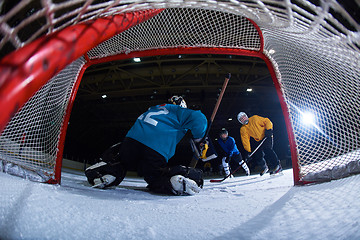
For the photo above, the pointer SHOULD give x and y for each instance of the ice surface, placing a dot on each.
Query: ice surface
(244, 207)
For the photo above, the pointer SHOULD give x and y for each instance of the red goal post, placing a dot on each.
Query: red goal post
(311, 55)
(25, 71)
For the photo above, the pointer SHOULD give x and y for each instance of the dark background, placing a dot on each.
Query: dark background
(131, 87)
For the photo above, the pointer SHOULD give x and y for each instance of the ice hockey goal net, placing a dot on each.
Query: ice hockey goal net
(311, 50)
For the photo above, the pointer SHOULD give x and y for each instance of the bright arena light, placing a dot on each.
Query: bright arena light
(308, 118)
(137, 59)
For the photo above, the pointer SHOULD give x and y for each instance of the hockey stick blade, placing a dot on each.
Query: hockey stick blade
(216, 180)
(226, 177)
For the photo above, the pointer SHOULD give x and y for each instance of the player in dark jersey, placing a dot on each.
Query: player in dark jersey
(231, 152)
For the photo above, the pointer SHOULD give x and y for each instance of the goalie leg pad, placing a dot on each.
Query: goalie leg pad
(188, 172)
(178, 180)
(104, 181)
(96, 174)
(184, 186)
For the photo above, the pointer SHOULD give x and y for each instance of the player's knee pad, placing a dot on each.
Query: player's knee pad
(97, 172)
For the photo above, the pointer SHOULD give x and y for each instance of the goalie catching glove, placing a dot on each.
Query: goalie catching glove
(199, 147)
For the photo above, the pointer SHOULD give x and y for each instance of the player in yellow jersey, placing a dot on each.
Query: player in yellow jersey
(258, 128)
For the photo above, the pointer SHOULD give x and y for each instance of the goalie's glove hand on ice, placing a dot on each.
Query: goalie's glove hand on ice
(268, 133)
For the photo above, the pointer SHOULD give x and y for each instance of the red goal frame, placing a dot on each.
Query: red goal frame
(24, 72)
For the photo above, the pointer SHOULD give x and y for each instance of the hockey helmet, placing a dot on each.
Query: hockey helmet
(243, 118)
(178, 100)
(224, 134)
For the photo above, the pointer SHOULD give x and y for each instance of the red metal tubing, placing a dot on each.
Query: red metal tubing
(26, 70)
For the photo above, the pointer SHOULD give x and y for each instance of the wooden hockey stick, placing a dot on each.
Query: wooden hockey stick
(195, 159)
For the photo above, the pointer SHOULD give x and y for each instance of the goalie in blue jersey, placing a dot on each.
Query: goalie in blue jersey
(147, 148)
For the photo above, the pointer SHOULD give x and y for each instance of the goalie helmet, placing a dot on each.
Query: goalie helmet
(178, 100)
(243, 118)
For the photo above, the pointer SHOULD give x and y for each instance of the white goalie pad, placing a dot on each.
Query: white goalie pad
(184, 186)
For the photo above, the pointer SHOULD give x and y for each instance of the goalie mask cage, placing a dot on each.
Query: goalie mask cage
(311, 50)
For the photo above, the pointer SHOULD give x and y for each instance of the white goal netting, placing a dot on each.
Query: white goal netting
(313, 50)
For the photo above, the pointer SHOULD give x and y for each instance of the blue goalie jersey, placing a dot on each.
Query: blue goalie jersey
(163, 126)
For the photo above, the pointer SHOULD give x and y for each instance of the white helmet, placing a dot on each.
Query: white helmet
(243, 118)
(178, 100)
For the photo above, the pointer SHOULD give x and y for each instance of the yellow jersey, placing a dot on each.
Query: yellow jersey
(255, 129)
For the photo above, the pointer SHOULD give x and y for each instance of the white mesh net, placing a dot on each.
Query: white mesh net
(314, 50)
(31, 138)
(183, 28)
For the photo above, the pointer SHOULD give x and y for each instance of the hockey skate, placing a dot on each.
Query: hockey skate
(277, 170)
(229, 178)
(184, 186)
(266, 169)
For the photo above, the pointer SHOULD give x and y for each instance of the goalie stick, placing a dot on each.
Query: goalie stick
(220, 180)
(198, 154)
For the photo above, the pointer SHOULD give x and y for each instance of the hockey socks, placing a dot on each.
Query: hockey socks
(245, 167)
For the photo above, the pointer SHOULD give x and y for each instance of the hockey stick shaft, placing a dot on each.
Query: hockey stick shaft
(220, 180)
(227, 78)
(194, 160)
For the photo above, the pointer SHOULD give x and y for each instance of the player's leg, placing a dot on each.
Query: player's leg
(103, 174)
(259, 157)
(271, 157)
(238, 159)
(178, 180)
(111, 170)
(226, 166)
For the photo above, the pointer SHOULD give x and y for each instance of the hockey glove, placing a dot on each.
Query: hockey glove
(201, 147)
(268, 133)
(247, 158)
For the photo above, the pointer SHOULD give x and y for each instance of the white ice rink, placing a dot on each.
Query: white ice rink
(251, 207)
